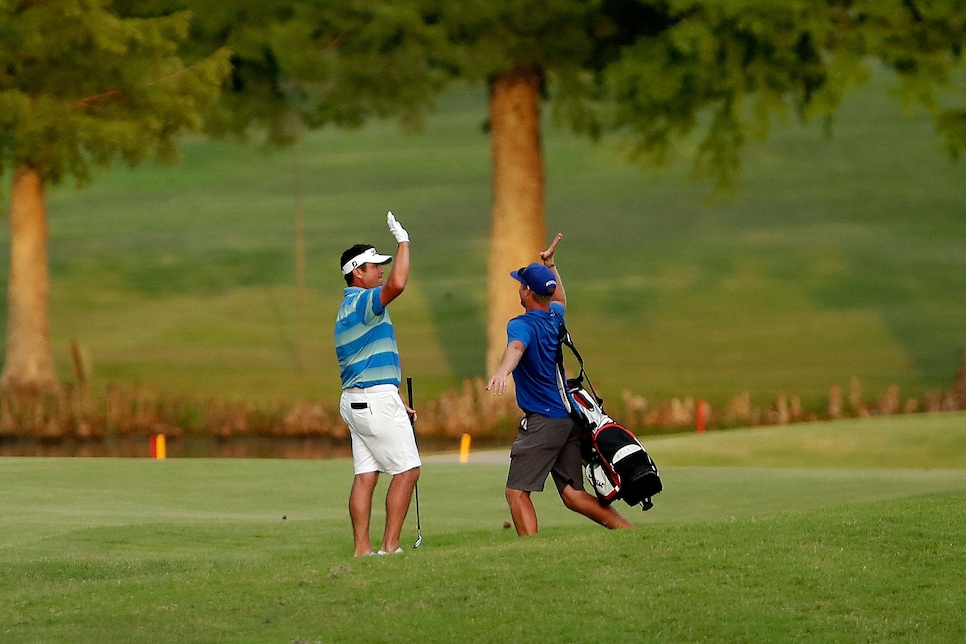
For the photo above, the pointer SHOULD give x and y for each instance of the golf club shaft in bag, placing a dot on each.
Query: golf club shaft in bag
(412, 422)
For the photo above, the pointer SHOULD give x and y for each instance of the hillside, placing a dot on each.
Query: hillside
(840, 257)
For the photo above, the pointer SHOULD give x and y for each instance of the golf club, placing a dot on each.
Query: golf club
(412, 422)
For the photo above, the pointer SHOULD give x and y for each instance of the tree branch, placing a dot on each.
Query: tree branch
(98, 98)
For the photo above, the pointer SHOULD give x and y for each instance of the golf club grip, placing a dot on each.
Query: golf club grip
(412, 416)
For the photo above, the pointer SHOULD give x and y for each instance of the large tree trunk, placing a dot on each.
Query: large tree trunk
(517, 236)
(29, 364)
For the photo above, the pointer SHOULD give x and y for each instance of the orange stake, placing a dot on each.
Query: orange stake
(701, 416)
(158, 447)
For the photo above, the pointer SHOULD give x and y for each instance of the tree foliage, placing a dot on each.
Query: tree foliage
(311, 63)
(724, 69)
(79, 86)
(924, 42)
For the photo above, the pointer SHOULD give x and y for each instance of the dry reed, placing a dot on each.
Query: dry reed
(75, 413)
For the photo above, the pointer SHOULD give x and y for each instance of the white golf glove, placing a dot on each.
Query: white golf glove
(396, 229)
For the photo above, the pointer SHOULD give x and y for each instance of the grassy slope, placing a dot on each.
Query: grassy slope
(197, 550)
(841, 257)
(933, 441)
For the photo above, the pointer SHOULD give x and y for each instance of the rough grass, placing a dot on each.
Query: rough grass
(821, 545)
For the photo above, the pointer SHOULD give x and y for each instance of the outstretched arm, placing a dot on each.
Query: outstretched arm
(511, 358)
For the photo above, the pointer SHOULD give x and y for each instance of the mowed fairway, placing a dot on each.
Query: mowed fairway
(844, 532)
(840, 257)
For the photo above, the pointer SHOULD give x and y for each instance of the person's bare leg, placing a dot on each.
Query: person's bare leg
(522, 511)
(397, 506)
(588, 505)
(360, 510)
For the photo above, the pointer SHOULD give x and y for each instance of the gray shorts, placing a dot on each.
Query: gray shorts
(545, 446)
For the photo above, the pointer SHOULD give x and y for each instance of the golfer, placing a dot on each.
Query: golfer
(548, 440)
(365, 343)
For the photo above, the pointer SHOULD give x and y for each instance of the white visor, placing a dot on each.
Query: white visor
(368, 256)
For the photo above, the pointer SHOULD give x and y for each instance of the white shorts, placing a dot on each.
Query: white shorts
(382, 436)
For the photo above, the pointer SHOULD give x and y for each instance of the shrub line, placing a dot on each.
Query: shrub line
(75, 413)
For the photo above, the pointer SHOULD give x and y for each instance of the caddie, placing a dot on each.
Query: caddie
(548, 440)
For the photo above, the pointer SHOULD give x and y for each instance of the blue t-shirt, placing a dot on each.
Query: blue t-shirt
(536, 376)
(365, 341)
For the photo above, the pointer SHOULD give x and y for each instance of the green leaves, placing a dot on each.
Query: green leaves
(81, 82)
(81, 86)
(310, 63)
(721, 71)
(724, 69)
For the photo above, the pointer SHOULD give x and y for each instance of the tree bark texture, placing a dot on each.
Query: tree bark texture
(29, 363)
(518, 230)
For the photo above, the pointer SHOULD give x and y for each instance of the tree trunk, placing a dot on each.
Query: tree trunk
(518, 232)
(29, 364)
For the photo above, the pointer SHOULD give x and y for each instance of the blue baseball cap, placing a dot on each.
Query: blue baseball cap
(536, 277)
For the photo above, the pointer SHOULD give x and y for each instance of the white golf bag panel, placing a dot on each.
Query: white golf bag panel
(600, 479)
(588, 406)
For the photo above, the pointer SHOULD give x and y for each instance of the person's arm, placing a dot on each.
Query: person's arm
(399, 275)
(559, 295)
(511, 358)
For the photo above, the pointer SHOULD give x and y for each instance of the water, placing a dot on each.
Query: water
(200, 447)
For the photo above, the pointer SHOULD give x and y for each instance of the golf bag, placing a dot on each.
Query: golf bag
(617, 465)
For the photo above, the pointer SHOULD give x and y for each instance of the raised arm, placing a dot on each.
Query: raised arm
(399, 275)
(559, 295)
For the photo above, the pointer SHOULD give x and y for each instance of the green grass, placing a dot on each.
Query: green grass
(841, 257)
(930, 441)
(820, 542)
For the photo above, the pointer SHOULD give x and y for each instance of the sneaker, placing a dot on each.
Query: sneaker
(397, 551)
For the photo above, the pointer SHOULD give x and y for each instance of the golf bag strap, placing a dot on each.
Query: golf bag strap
(561, 371)
(567, 340)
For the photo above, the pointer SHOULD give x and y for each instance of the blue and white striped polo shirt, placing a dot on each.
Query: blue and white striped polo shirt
(365, 341)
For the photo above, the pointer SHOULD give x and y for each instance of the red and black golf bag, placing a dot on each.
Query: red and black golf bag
(617, 465)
